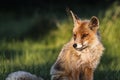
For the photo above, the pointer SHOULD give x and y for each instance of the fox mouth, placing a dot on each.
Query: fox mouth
(82, 48)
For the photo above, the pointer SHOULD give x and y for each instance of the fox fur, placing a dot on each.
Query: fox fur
(80, 56)
(22, 75)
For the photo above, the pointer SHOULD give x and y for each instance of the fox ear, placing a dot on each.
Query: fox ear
(94, 23)
(75, 18)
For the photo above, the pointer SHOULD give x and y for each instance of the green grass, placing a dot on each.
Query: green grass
(37, 55)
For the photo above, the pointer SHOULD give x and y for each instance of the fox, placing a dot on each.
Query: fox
(79, 58)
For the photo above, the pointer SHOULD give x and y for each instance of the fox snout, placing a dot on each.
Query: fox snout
(79, 47)
(75, 45)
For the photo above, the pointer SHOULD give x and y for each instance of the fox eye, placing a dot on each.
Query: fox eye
(74, 36)
(84, 35)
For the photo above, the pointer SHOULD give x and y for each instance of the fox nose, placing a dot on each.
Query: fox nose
(74, 45)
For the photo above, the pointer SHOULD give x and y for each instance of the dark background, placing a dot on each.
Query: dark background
(19, 10)
(44, 5)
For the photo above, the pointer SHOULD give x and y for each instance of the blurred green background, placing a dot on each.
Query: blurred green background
(32, 33)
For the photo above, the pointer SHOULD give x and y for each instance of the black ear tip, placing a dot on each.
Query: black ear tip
(68, 10)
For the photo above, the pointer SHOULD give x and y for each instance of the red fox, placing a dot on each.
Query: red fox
(80, 56)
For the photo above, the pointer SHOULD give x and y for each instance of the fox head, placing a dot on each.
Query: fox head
(85, 32)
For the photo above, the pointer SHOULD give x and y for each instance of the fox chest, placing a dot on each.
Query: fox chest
(79, 58)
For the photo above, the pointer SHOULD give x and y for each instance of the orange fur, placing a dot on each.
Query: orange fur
(80, 56)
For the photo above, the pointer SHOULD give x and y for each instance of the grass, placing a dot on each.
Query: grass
(37, 55)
